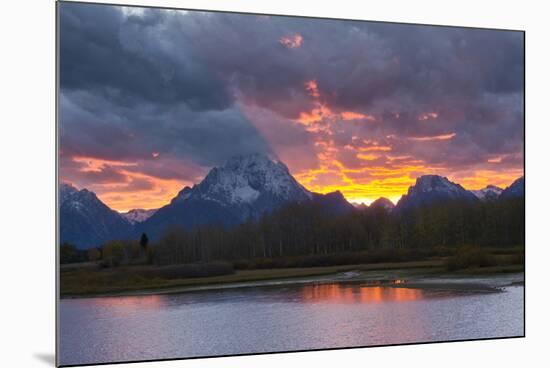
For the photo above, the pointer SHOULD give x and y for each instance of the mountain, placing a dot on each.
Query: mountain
(182, 195)
(333, 203)
(87, 222)
(253, 180)
(244, 188)
(360, 206)
(489, 193)
(432, 189)
(138, 215)
(515, 190)
(384, 203)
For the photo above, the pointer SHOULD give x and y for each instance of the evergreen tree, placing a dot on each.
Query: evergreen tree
(143, 241)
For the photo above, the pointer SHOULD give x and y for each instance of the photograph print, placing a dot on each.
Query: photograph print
(234, 184)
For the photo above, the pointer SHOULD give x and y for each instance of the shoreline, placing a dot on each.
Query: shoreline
(410, 275)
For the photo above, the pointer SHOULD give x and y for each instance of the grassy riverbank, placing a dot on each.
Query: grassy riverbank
(88, 279)
(85, 282)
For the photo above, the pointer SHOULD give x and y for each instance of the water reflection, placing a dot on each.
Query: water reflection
(279, 318)
(339, 293)
(123, 306)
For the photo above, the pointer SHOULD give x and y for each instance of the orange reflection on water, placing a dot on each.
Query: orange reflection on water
(359, 294)
(122, 306)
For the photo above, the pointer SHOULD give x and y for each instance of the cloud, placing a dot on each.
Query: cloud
(441, 137)
(350, 115)
(92, 125)
(428, 116)
(355, 106)
(120, 57)
(292, 42)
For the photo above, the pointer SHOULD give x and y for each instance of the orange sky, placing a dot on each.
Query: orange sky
(363, 115)
(388, 176)
(375, 170)
(381, 173)
(329, 178)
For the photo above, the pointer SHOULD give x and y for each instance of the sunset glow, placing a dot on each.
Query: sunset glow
(233, 183)
(292, 42)
(123, 189)
(350, 115)
(362, 115)
(428, 116)
(336, 293)
(389, 176)
(441, 137)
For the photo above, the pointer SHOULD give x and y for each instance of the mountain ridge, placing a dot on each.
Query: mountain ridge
(244, 188)
(138, 215)
(384, 203)
(431, 189)
(489, 193)
(515, 190)
(86, 221)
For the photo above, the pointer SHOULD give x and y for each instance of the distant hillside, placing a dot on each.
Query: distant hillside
(85, 221)
(244, 190)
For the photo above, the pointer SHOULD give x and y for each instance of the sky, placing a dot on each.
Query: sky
(150, 100)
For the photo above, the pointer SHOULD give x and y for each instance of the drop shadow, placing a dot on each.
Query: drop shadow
(47, 358)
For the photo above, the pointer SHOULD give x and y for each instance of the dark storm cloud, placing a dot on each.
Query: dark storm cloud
(106, 174)
(462, 74)
(138, 184)
(114, 132)
(178, 92)
(124, 58)
(131, 88)
(356, 62)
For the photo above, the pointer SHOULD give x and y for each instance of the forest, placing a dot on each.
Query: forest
(308, 229)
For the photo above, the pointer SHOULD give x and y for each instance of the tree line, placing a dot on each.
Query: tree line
(307, 229)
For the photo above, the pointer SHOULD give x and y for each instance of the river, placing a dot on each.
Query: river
(287, 316)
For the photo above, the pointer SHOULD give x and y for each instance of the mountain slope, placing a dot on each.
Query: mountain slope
(432, 189)
(489, 193)
(138, 215)
(333, 203)
(246, 187)
(87, 222)
(384, 203)
(253, 179)
(515, 190)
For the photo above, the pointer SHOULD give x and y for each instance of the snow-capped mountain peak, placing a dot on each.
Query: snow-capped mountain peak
(244, 188)
(138, 215)
(69, 195)
(66, 190)
(430, 183)
(86, 221)
(244, 179)
(430, 189)
(489, 193)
